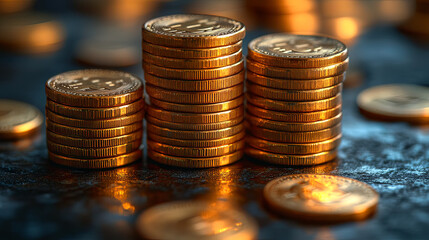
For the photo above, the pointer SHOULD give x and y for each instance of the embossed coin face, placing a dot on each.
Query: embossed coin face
(396, 102)
(283, 49)
(195, 220)
(18, 119)
(74, 87)
(180, 30)
(321, 197)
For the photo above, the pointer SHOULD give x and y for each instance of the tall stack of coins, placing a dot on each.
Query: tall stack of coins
(294, 85)
(94, 118)
(194, 77)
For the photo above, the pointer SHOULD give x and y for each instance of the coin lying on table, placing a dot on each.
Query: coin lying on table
(321, 197)
(94, 88)
(18, 119)
(196, 220)
(396, 102)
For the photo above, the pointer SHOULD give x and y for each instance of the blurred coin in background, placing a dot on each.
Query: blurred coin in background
(196, 220)
(12, 6)
(18, 119)
(396, 102)
(234, 9)
(118, 10)
(30, 33)
(109, 46)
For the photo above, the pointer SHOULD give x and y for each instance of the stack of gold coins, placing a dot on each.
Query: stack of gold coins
(294, 85)
(194, 77)
(94, 118)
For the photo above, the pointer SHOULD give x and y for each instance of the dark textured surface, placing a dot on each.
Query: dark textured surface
(40, 200)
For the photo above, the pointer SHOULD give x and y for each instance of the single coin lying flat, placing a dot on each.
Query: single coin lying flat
(321, 197)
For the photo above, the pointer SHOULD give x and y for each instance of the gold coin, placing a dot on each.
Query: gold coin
(307, 106)
(105, 123)
(178, 117)
(189, 162)
(193, 63)
(92, 133)
(14, 6)
(282, 7)
(94, 142)
(18, 119)
(194, 74)
(199, 108)
(294, 95)
(108, 47)
(195, 152)
(401, 102)
(297, 73)
(194, 135)
(93, 152)
(193, 31)
(294, 148)
(195, 85)
(294, 137)
(197, 53)
(293, 116)
(95, 113)
(317, 197)
(193, 126)
(197, 143)
(297, 51)
(290, 159)
(193, 220)
(94, 88)
(30, 33)
(293, 126)
(217, 96)
(100, 163)
(306, 84)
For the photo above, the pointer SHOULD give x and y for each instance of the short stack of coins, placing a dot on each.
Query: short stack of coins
(194, 75)
(94, 118)
(294, 85)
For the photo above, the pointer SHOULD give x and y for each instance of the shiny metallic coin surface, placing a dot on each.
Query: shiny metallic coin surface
(321, 197)
(197, 53)
(291, 159)
(189, 220)
(294, 148)
(18, 119)
(401, 102)
(96, 163)
(297, 51)
(193, 31)
(94, 88)
(190, 162)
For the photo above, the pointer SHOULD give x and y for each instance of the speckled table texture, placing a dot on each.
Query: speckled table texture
(41, 200)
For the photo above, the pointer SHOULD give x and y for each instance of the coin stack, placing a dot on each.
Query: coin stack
(94, 118)
(294, 85)
(194, 77)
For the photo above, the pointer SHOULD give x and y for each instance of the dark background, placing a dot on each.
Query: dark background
(41, 200)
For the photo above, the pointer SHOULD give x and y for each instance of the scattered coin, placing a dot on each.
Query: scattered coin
(321, 197)
(18, 119)
(396, 102)
(195, 220)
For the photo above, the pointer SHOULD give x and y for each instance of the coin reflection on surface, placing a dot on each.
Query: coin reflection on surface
(23, 144)
(316, 197)
(196, 220)
(116, 190)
